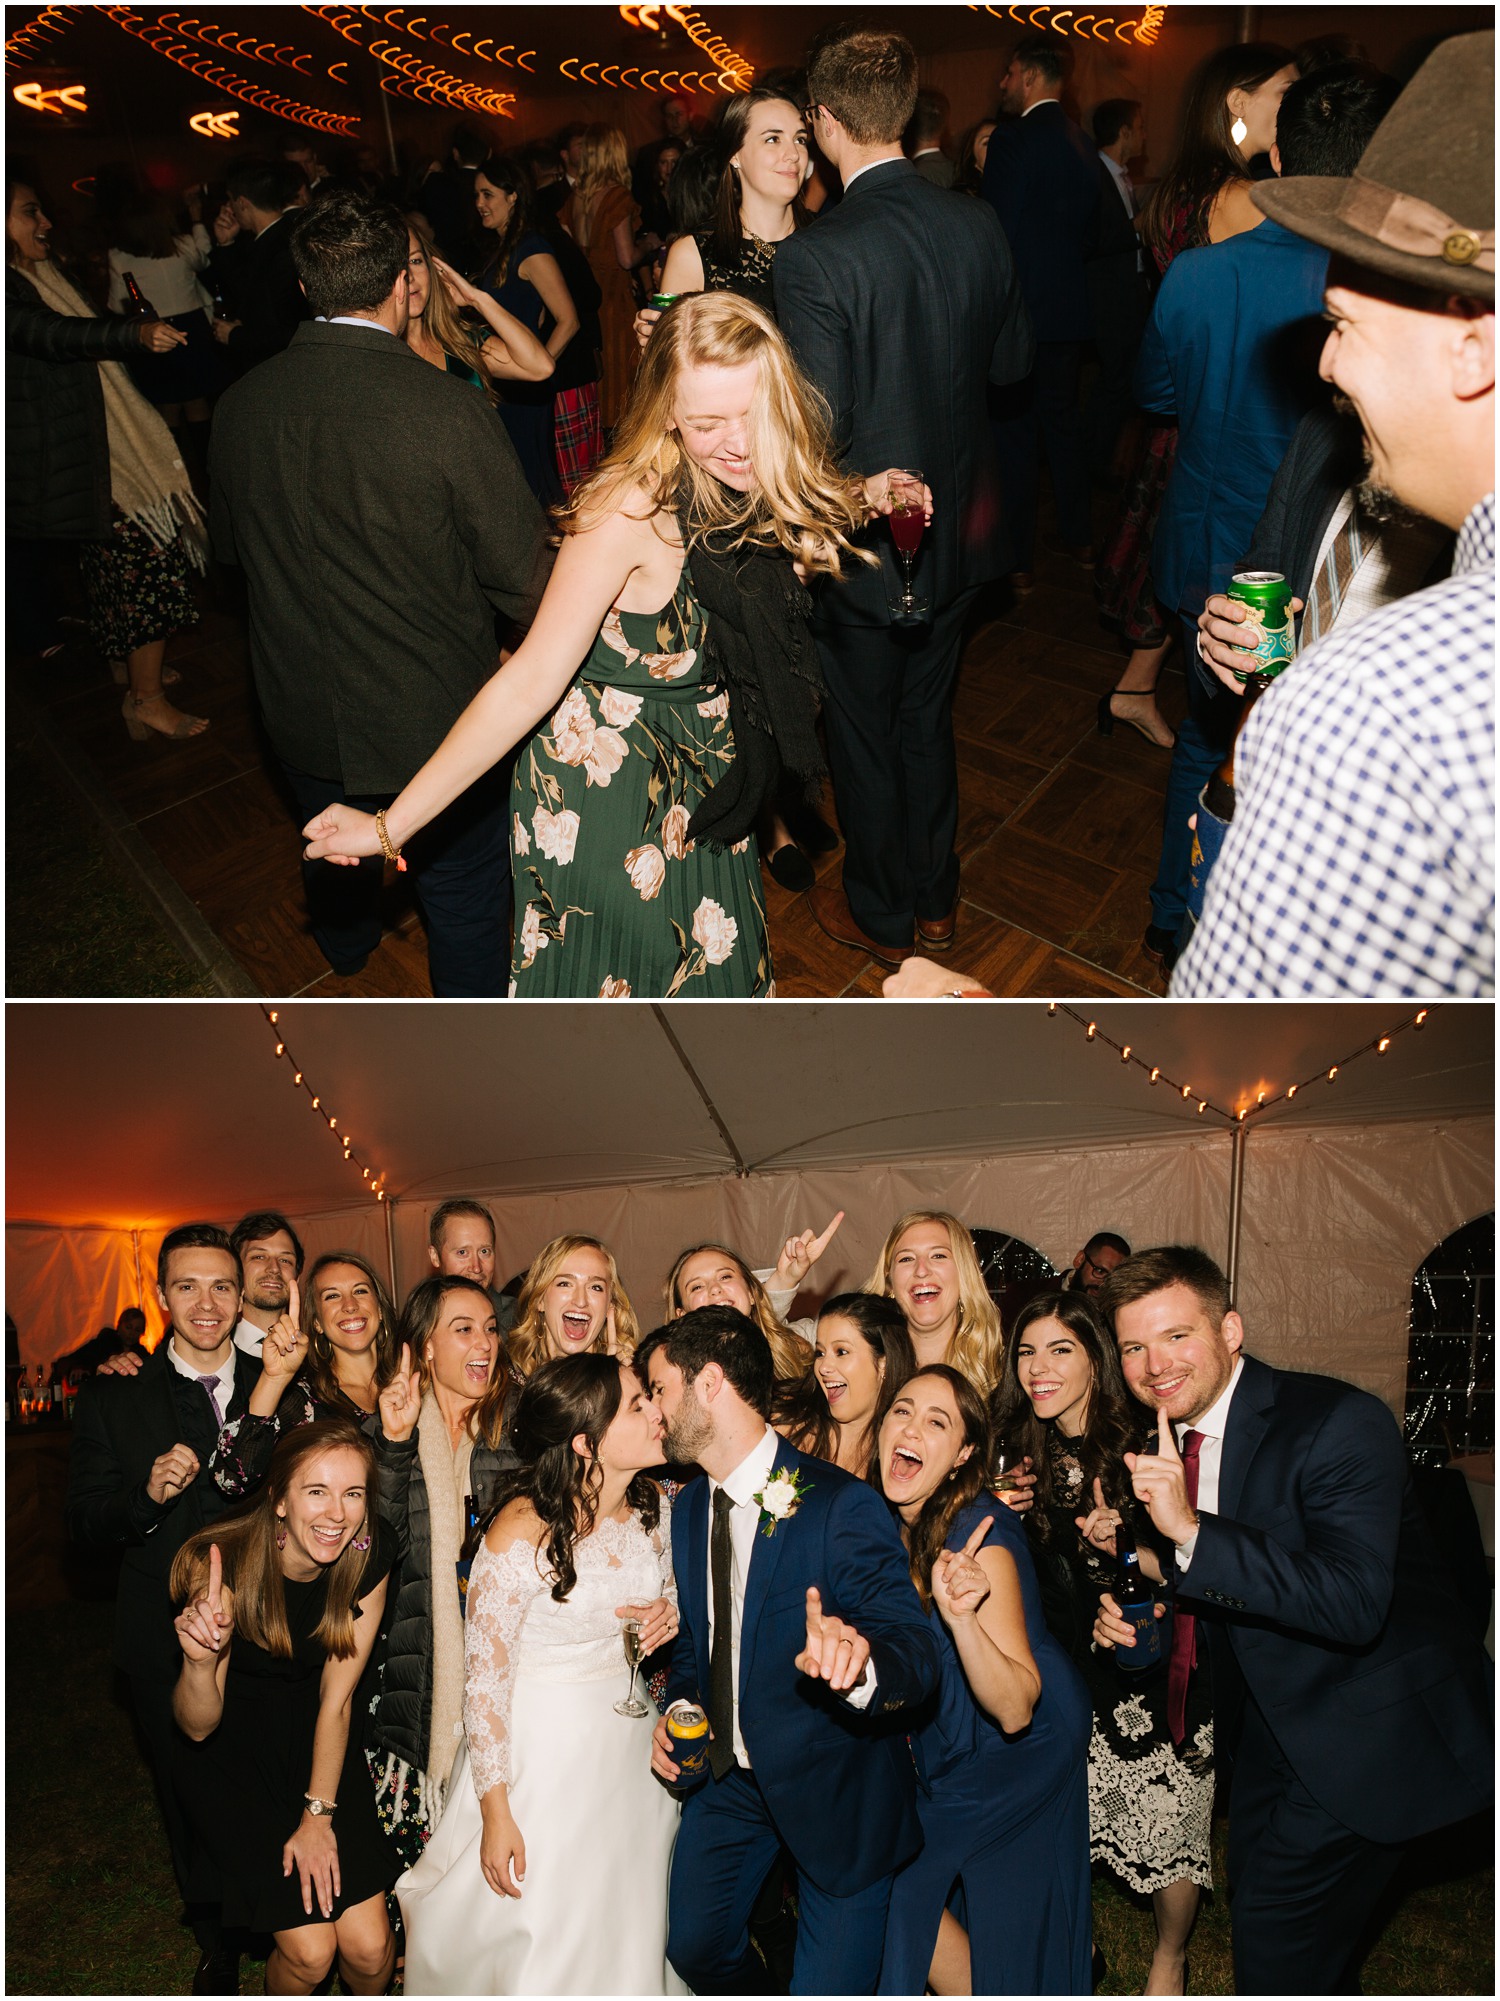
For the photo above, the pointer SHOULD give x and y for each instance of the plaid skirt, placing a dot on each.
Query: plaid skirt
(577, 434)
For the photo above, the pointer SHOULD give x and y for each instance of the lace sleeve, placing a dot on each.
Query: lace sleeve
(242, 1456)
(500, 1596)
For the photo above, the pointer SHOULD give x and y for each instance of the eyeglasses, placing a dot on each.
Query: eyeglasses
(1101, 1272)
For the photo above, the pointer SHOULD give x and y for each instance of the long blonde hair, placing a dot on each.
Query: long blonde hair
(789, 1352)
(977, 1348)
(603, 162)
(526, 1343)
(800, 502)
(440, 315)
(252, 1563)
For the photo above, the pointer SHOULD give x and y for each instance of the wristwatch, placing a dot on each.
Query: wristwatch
(319, 1809)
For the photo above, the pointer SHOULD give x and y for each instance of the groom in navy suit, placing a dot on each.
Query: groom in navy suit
(803, 1638)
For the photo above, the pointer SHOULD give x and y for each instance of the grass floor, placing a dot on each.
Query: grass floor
(91, 1907)
(77, 926)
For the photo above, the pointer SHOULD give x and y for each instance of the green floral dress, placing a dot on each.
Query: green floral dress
(612, 899)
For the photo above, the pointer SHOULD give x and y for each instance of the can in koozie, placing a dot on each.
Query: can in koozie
(687, 1726)
(1269, 599)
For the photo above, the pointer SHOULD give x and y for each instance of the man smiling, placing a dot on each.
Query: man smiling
(1348, 1692)
(1361, 859)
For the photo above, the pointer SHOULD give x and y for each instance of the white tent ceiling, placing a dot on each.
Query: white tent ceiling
(137, 1115)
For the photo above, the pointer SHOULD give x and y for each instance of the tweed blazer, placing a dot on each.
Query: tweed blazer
(378, 511)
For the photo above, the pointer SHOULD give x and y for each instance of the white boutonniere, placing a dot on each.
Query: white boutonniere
(780, 1499)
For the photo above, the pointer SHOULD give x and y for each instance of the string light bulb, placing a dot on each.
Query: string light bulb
(296, 1076)
(1333, 1071)
(299, 1082)
(1125, 1054)
(1093, 1030)
(1419, 1018)
(1155, 1073)
(1382, 1045)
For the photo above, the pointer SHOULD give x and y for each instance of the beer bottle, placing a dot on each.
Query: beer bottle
(1138, 1598)
(137, 305)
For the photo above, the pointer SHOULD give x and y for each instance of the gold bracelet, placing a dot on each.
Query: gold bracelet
(387, 848)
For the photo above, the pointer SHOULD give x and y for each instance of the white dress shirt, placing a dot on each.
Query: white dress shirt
(224, 1372)
(1210, 1429)
(249, 1338)
(351, 320)
(885, 162)
(742, 1485)
(1126, 192)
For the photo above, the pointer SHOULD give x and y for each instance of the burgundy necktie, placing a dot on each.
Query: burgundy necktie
(210, 1384)
(1184, 1657)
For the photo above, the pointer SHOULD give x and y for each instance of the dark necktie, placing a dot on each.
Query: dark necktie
(721, 1656)
(1184, 1656)
(210, 1384)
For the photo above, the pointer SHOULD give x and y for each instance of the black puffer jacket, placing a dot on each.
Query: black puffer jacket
(56, 444)
(403, 1720)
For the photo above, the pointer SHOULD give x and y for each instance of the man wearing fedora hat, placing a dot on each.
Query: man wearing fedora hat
(1361, 857)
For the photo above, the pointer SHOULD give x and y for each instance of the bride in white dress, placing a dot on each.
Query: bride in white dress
(547, 1872)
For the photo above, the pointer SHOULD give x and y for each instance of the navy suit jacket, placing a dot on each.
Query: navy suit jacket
(839, 1782)
(122, 1424)
(1318, 1574)
(899, 305)
(1041, 177)
(1231, 351)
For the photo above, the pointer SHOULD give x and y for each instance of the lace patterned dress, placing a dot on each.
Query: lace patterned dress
(1150, 1802)
(541, 1679)
(612, 899)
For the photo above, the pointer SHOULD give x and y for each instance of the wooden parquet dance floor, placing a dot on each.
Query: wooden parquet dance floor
(1058, 828)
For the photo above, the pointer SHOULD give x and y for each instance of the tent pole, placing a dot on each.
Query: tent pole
(135, 1245)
(1236, 1201)
(390, 1245)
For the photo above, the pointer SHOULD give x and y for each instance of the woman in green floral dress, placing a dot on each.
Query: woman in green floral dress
(677, 587)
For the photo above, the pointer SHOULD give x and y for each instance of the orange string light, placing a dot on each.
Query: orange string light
(167, 44)
(346, 1145)
(420, 80)
(34, 40)
(1092, 27)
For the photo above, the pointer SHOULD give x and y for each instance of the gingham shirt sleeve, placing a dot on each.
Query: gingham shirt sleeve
(1361, 859)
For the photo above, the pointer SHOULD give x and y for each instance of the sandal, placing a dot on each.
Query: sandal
(140, 726)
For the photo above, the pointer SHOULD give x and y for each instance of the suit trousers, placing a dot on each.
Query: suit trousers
(169, 1753)
(1040, 414)
(727, 1846)
(461, 863)
(1302, 1887)
(1111, 400)
(1203, 737)
(889, 719)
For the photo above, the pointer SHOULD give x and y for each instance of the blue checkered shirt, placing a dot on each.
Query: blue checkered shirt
(1361, 859)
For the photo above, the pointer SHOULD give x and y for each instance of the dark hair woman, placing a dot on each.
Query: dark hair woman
(166, 262)
(571, 1585)
(1007, 1813)
(283, 1604)
(1064, 1401)
(1203, 197)
(89, 462)
(862, 1356)
(498, 350)
(523, 274)
(440, 1454)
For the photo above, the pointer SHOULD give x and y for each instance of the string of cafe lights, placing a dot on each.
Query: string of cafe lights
(422, 81)
(36, 38)
(1143, 28)
(165, 43)
(325, 1117)
(246, 47)
(733, 71)
(1264, 1100)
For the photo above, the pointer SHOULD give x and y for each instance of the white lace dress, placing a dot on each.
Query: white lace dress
(540, 1682)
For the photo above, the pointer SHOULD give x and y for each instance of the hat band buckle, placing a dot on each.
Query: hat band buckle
(1414, 227)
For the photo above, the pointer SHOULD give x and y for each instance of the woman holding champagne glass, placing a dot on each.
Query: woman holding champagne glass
(547, 1873)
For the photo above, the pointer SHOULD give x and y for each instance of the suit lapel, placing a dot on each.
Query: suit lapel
(1249, 1421)
(764, 1560)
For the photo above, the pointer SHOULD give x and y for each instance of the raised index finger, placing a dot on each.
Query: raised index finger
(814, 1612)
(294, 1302)
(215, 1575)
(820, 1244)
(1168, 1439)
(972, 1545)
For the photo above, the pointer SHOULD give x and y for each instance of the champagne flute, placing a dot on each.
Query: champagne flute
(632, 1705)
(908, 525)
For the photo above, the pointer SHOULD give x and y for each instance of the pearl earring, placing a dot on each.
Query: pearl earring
(1239, 131)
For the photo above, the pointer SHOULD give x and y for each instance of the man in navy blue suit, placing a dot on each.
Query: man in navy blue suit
(1042, 178)
(803, 1638)
(1348, 1688)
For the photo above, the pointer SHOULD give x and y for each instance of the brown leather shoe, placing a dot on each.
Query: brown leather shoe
(830, 909)
(935, 934)
(1022, 582)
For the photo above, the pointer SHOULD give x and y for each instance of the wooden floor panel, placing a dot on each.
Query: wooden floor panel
(1057, 837)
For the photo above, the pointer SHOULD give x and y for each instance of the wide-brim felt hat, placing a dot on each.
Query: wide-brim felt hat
(1420, 206)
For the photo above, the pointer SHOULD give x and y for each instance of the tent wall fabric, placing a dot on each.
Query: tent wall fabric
(1336, 1221)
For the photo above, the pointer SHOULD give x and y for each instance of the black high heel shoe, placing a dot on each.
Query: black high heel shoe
(791, 868)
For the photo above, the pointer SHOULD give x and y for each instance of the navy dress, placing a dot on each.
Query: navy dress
(1005, 1819)
(526, 407)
